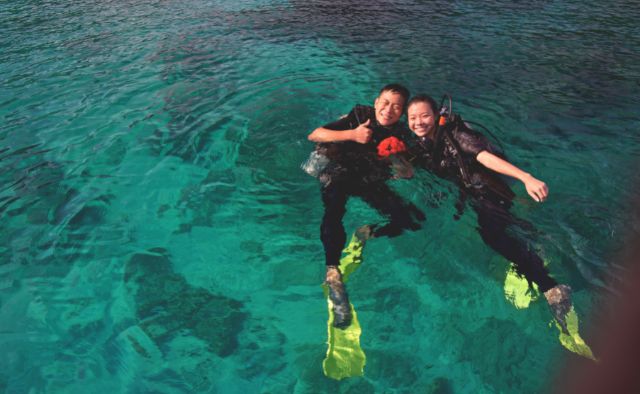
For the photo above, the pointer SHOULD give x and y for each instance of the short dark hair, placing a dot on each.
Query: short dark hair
(423, 98)
(396, 88)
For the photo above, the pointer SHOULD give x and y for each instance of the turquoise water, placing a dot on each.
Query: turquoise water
(159, 236)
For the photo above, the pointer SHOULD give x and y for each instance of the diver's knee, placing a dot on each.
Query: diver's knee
(417, 213)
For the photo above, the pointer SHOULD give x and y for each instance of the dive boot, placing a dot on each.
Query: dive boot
(559, 299)
(339, 298)
(364, 233)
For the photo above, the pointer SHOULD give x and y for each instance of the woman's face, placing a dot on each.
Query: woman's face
(422, 120)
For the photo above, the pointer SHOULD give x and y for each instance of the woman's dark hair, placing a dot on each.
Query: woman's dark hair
(423, 98)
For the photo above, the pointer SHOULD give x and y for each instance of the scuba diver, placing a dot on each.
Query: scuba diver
(355, 157)
(446, 146)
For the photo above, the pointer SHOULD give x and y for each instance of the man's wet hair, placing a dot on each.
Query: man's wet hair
(396, 88)
(423, 98)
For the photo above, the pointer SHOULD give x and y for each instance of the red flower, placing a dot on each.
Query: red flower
(390, 146)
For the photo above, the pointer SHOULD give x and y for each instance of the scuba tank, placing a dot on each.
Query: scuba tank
(447, 124)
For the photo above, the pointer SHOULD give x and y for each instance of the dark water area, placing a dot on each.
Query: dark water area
(158, 234)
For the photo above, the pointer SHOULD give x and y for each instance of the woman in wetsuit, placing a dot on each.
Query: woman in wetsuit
(455, 152)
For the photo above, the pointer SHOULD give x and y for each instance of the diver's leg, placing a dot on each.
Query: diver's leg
(402, 215)
(333, 236)
(559, 300)
(339, 298)
(493, 220)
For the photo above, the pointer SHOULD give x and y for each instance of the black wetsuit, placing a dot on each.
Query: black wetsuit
(454, 158)
(356, 170)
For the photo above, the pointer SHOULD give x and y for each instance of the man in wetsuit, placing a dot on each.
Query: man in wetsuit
(352, 144)
(456, 152)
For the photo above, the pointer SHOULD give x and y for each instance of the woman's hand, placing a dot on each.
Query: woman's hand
(537, 189)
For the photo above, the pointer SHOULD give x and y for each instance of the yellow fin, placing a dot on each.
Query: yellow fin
(352, 257)
(345, 358)
(572, 341)
(517, 290)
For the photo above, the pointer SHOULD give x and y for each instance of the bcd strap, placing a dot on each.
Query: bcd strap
(444, 132)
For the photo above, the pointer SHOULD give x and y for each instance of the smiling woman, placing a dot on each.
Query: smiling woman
(446, 146)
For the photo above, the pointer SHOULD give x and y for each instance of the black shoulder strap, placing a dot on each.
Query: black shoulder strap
(362, 113)
(444, 133)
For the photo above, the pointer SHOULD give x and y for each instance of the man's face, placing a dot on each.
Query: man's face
(421, 119)
(389, 106)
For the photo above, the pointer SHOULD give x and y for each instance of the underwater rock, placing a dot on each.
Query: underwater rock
(252, 246)
(200, 202)
(262, 349)
(395, 308)
(82, 208)
(89, 215)
(166, 305)
(394, 368)
(190, 359)
(440, 385)
(500, 357)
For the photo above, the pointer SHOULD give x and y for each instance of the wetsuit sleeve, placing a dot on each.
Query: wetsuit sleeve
(359, 114)
(472, 142)
(344, 123)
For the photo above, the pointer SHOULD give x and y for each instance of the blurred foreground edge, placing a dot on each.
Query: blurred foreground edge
(616, 339)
